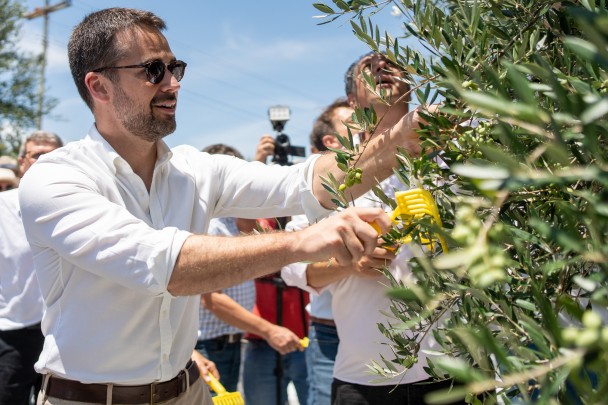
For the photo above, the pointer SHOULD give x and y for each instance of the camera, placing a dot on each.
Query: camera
(283, 149)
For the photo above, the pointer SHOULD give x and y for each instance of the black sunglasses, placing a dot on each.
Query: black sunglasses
(155, 70)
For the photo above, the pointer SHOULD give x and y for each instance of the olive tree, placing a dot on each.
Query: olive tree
(519, 302)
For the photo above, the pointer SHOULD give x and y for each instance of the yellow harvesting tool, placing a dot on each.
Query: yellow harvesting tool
(412, 204)
(223, 397)
(304, 342)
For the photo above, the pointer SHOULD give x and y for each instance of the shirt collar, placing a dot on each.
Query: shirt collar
(111, 157)
(163, 153)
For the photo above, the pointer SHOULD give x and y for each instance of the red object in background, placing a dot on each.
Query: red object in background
(294, 315)
(267, 223)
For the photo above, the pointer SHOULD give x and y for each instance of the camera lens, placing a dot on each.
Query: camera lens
(282, 140)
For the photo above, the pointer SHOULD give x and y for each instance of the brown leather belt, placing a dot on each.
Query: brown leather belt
(328, 322)
(123, 394)
(229, 339)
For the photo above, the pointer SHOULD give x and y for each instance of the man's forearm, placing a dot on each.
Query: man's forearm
(211, 263)
(232, 313)
(319, 275)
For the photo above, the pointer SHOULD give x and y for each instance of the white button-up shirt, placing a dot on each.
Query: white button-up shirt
(104, 249)
(361, 342)
(20, 299)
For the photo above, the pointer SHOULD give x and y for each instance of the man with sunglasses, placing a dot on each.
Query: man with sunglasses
(117, 223)
(20, 300)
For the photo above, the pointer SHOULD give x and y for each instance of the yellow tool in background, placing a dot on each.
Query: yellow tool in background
(223, 397)
(412, 204)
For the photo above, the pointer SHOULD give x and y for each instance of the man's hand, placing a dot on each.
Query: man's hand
(283, 340)
(408, 125)
(346, 236)
(376, 159)
(265, 148)
(205, 365)
(319, 275)
(246, 225)
(370, 265)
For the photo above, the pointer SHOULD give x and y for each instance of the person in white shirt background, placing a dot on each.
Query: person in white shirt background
(361, 289)
(20, 300)
(117, 223)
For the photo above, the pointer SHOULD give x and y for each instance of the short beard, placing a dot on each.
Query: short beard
(140, 123)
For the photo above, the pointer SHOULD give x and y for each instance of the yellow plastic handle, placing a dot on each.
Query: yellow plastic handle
(215, 384)
(414, 203)
(304, 342)
(376, 227)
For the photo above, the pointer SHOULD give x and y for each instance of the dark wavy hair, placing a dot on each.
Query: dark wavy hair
(93, 42)
(324, 124)
(222, 149)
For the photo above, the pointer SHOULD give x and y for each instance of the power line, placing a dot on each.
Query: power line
(238, 67)
(235, 66)
(215, 101)
(44, 12)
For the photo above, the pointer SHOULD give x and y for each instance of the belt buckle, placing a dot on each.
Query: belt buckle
(152, 393)
(182, 381)
(234, 337)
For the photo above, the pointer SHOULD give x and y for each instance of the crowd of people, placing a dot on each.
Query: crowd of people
(131, 269)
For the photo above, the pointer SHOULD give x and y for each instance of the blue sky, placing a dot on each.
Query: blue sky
(243, 56)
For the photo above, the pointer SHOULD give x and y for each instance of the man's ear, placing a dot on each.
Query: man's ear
(98, 87)
(330, 141)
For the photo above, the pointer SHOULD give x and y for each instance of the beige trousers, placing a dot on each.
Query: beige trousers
(198, 394)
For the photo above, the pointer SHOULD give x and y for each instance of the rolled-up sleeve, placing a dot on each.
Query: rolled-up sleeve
(295, 273)
(256, 190)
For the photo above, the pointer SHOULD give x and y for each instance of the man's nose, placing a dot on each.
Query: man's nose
(170, 83)
(379, 64)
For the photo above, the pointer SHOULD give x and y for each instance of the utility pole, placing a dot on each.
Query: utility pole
(44, 12)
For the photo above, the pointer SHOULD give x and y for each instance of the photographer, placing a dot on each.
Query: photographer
(282, 150)
(279, 148)
(265, 148)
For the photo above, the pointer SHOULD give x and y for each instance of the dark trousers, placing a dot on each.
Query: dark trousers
(19, 350)
(343, 393)
(227, 359)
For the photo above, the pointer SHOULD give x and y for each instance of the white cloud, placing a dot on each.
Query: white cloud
(242, 54)
(56, 56)
(244, 137)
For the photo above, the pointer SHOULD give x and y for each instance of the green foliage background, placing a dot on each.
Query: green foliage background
(523, 292)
